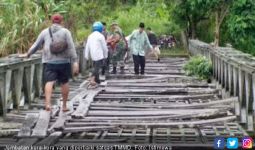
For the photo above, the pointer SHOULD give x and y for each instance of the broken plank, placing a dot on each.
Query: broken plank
(42, 124)
(50, 140)
(27, 141)
(28, 124)
(83, 107)
(60, 122)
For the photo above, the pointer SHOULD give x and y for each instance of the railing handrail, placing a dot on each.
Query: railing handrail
(235, 71)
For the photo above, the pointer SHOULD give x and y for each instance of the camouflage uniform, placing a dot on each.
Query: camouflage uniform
(118, 51)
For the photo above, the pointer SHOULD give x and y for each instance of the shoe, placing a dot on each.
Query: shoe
(114, 71)
(158, 59)
(122, 70)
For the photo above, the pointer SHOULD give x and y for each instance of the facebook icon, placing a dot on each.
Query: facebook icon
(219, 143)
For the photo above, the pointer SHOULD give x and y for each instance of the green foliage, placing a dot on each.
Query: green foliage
(177, 51)
(153, 14)
(199, 66)
(241, 25)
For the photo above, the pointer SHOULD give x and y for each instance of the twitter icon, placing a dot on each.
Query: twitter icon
(232, 143)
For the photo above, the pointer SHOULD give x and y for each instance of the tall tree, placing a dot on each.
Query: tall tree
(220, 8)
(241, 25)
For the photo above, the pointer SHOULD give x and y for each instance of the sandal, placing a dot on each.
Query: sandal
(92, 86)
(65, 110)
(48, 108)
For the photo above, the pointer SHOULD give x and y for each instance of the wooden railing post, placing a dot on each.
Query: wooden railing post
(235, 71)
(248, 101)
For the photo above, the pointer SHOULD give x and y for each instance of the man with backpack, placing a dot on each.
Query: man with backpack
(58, 54)
(97, 49)
(139, 43)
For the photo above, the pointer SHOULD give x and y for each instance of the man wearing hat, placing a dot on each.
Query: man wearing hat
(57, 55)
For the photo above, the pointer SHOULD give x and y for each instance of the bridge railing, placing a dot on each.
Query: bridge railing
(235, 71)
(21, 80)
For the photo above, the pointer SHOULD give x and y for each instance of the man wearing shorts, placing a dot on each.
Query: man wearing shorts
(57, 66)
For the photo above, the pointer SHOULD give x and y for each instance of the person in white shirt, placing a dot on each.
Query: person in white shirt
(96, 48)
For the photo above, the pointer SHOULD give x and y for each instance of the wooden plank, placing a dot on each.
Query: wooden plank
(27, 141)
(83, 107)
(194, 115)
(60, 122)
(173, 98)
(149, 113)
(241, 95)
(89, 128)
(248, 102)
(230, 79)
(162, 106)
(55, 111)
(176, 91)
(42, 124)
(38, 79)
(2, 95)
(226, 76)
(28, 124)
(18, 83)
(50, 140)
(28, 83)
(235, 80)
(160, 124)
(162, 85)
(222, 73)
(158, 78)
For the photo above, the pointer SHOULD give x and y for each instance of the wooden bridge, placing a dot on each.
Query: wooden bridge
(162, 107)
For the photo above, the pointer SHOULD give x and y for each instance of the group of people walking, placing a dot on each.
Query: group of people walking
(59, 56)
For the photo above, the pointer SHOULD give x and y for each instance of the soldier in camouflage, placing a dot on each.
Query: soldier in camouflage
(117, 47)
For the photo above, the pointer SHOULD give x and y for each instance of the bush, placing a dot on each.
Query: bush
(200, 67)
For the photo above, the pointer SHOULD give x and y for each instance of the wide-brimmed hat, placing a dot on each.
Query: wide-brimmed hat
(114, 23)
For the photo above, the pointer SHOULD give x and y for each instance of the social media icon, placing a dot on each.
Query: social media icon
(247, 143)
(232, 143)
(219, 143)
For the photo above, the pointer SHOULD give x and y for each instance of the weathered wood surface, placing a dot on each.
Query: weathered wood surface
(50, 140)
(83, 107)
(29, 123)
(127, 108)
(42, 124)
(162, 106)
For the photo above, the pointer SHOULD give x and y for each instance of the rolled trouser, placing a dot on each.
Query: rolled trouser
(97, 65)
(106, 64)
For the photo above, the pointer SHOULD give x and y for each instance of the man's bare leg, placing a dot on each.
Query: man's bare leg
(65, 92)
(48, 92)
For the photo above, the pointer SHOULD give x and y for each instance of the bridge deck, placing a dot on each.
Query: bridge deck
(164, 107)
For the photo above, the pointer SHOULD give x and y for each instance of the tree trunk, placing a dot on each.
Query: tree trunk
(184, 39)
(193, 29)
(217, 29)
